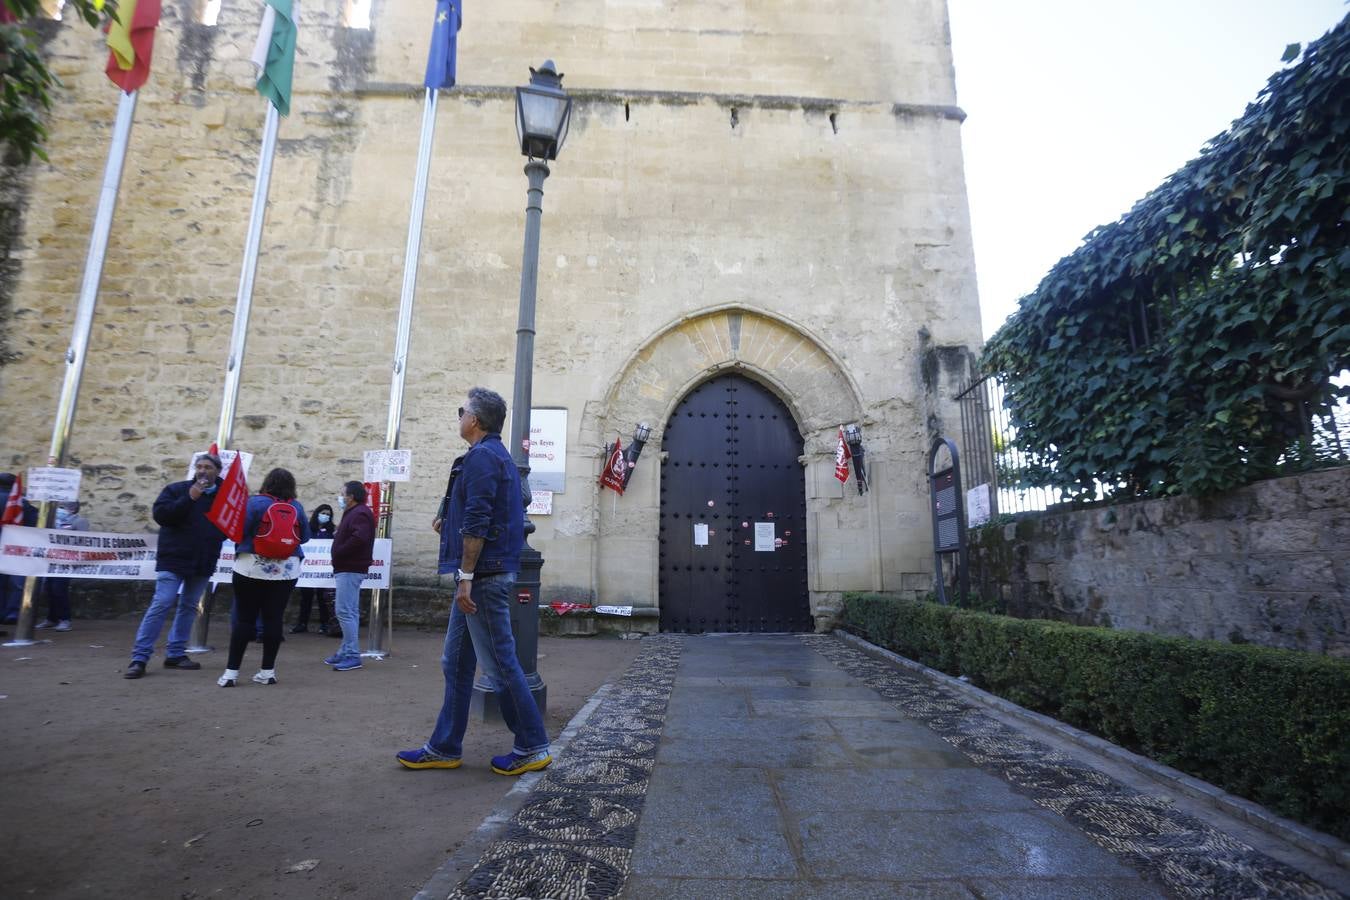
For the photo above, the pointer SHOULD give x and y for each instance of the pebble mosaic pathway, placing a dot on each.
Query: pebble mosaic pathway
(573, 838)
(1188, 857)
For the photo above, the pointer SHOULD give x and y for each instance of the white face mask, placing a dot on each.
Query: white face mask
(324, 518)
(341, 501)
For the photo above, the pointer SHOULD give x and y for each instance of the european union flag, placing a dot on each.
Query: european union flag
(444, 43)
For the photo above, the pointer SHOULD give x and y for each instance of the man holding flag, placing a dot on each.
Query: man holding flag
(189, 545)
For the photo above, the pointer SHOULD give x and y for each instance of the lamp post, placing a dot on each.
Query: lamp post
(543, 114)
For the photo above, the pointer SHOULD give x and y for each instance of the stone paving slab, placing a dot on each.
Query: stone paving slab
(699, 776)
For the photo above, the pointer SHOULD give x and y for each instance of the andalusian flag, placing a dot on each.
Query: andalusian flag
(274, 53)
(131, 38)
(444, 45)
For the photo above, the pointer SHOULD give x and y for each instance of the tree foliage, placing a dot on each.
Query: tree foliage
(27, 81)
(1185, 347)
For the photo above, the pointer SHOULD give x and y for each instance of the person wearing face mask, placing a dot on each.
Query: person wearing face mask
(68, 518)
(322, 528)
(353, 554)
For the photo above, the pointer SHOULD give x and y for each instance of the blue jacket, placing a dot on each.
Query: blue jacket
(253, 513)
(188, 543)
(485, 502)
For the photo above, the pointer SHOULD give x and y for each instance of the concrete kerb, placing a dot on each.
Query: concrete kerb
(451, 872)
(1323, 845)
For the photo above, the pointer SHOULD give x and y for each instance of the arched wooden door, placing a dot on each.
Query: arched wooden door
(733, 513)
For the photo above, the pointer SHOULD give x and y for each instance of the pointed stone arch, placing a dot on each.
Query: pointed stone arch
(783, 355)
(767, 347)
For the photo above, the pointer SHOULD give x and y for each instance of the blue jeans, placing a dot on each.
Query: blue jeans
(348, 605)
(170, 590)
(485, 637)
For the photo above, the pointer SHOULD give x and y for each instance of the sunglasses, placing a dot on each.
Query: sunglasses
(459, 413)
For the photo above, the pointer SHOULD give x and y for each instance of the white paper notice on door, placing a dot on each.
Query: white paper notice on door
(763, 536)
(700, 534)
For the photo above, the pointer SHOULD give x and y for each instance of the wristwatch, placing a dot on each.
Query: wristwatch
(461, 575)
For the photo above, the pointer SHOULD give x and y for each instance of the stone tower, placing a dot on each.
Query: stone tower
(766, 193)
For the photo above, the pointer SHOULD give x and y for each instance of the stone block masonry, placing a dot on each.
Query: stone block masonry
(1267, 564)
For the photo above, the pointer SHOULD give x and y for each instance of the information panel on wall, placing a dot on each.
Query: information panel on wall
(548, 450)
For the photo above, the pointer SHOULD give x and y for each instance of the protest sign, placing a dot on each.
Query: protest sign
(316, 570)
(60, 553)
(51, 483)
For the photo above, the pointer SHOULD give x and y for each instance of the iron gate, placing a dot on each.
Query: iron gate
(733, 513)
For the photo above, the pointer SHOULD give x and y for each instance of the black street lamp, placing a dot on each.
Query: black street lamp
(543, 113)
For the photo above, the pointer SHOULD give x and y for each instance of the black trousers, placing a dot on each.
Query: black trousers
(253, 596)
(307, 598)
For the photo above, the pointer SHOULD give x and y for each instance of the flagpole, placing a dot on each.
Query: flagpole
(79, 341)
(243, 304)
(381, 630)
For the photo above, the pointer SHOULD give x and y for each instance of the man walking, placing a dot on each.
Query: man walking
(481, 539)
(353, 552)
(188, 547)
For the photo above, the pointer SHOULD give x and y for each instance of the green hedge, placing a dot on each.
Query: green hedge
(1269, 725)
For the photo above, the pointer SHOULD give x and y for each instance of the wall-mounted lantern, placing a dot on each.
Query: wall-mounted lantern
(634, 450)
(853, 435)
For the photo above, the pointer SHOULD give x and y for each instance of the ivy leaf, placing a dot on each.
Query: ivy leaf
(1291, 52)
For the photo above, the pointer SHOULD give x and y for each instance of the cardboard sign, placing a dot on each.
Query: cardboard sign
(51, 483)
(541, 503)
(387, 465)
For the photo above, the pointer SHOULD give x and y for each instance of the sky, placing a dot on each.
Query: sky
(1078, 108)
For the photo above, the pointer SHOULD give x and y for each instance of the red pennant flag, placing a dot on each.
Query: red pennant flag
(615, 467)
(13, 514)
(373, 497)
(130, 70)
(215, 449)
(841, 457)
(227, 512)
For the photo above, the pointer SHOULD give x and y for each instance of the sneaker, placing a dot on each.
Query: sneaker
(45, 623)
(347, 663)
(63, 625)
(514, 764)
(225, 681)
(299, 629)
(260, 678)
(135, 670)
(333, 660)
(421, 759)
(181, 662)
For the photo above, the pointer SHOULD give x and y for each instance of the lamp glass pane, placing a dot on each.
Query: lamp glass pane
(541, 113)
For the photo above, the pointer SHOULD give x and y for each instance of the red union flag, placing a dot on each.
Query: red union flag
(227, 512)
(615, 467)
(841, 458)
(13, 513)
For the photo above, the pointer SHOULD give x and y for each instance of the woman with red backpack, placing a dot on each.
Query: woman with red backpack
(266, 567)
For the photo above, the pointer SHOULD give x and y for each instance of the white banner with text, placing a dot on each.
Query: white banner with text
(59, 553)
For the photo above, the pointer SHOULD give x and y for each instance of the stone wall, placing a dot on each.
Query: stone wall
(1267, 564)
(783, 171)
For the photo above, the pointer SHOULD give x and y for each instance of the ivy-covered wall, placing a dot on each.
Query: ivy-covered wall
(1266, 564)
(1188, 347)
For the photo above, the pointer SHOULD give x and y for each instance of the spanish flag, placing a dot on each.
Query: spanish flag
(131, 38)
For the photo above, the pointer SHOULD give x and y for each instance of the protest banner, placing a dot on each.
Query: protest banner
(59, 553)
(316, 570)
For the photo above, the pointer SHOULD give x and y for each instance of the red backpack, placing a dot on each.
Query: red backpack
(279, 532)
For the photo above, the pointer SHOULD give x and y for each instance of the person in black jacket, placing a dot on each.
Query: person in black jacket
(188, 548)
(322, 527)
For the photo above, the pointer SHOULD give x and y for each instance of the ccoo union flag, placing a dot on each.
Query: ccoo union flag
(841, 457)
(131, 38)
(615, 468)
(227, 511)
(444, 44)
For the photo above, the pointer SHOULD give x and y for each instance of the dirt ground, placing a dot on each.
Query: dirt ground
(170, 787)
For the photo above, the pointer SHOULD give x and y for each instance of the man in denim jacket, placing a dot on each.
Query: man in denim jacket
(481, 539)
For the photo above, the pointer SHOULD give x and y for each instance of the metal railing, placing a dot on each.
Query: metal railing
(989, 455)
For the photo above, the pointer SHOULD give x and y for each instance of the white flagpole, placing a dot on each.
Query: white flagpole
(234, 362)
(79, 341)
(381, 631)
